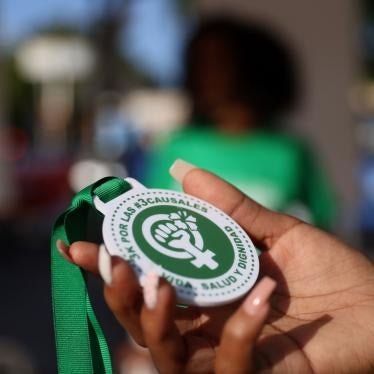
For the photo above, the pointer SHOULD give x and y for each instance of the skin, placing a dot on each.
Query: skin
(320, 317)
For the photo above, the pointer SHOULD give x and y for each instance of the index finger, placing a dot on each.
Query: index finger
(236, 351)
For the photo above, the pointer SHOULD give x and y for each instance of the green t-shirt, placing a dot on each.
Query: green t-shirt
(276, 170)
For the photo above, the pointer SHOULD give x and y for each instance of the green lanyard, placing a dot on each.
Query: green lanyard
(80, 343)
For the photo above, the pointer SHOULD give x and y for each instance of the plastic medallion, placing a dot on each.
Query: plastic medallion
(200, 250)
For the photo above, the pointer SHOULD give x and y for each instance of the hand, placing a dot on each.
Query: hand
(321, 316)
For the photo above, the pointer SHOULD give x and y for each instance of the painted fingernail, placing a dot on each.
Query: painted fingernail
(150, 289)
(105, 265)
(63, 249)
(259, 296)
(179, 169)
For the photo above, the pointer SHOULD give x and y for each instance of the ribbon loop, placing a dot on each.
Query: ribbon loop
(80, 343)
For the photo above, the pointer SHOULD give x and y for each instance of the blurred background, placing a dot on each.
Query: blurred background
(276, 97)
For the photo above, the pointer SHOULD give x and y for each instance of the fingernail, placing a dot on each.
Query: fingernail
(105, 265)
(63, 249)
(150, 289)
(179, 169)
(259, 296)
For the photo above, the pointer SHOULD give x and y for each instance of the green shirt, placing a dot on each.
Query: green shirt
(276, 170)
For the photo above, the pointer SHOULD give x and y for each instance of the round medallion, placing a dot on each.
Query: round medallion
(200, 250)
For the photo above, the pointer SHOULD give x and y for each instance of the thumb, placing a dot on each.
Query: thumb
(240, 333)
(263, 225)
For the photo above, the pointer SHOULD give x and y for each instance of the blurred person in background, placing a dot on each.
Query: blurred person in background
(242, 80)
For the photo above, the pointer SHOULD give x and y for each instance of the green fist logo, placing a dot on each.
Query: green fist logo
(177, 235)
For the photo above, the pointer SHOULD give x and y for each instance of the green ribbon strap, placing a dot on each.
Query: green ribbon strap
(80, 342)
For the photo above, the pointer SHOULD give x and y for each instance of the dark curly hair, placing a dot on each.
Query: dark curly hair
(265, 70)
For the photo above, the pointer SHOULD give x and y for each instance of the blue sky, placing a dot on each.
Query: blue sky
(21, 17)
(154, 41)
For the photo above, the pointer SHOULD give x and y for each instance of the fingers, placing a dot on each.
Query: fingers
(122, 291)
(124, 298)
(236, 350)
(262, 224)
(82, 254)
(161, 335)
